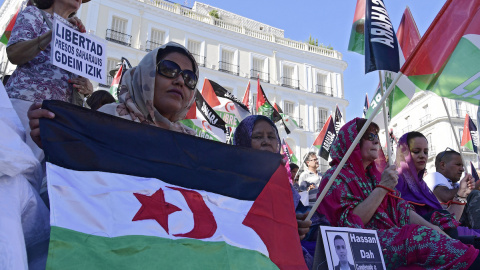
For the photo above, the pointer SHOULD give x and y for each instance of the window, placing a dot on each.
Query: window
(288, 108)
(118, 32)
(321, 86)
(157, 38)
(196, 49)
(259, 69)
(289, 78)
(111, 65)
(227, 62)
(460, 133)
(322, 118)
(458, 106)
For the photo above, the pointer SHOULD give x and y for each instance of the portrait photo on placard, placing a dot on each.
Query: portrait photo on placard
(340, 250)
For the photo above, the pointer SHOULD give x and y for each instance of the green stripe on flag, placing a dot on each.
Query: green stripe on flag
(74, 250)
(469, 145)
(461, 74)
(4, 39)
(357, 37)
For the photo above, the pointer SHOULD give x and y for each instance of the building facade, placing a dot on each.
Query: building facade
(306, 81)
(426, 114)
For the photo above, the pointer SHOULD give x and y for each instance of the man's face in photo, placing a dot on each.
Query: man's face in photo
(341, 250)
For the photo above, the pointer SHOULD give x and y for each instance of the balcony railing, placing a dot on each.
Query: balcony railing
(460, 113)
(200, 59)
(151, 45)
(319, 126)
(264, 76)
(118, 37)
(228, 68)
(289, 82)
(324, 90)
(109, 82)
(425, 120)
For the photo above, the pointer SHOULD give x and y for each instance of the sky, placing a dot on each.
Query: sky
(330, 22)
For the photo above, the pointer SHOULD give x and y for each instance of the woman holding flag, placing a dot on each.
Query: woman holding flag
(362, 197)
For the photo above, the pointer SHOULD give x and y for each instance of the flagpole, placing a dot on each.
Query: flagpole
(454, 133)
(350, 149)
(385, 121)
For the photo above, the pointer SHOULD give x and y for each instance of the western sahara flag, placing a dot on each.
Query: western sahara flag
(357, 35)
(8, 30)
(264, 107)
(230, 109)
(469, 136)
(381, 46)
(338, 120)
(132, 196)
(366, 106)
(288, 151)
(116, 82)
(325, 138)
(203, 119)
(446, 59)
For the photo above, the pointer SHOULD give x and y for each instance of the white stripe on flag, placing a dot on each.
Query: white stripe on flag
(103, 204)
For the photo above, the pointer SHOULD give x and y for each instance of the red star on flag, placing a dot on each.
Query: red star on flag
(155, 207)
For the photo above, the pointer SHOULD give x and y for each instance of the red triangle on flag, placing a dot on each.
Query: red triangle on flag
(407, 33)
(246, 97)
(118, 76)
(192, 113)
(260, 95)
(209, 94)
(466, 136)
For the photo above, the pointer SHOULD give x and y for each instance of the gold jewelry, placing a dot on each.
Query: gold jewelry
(38, 44)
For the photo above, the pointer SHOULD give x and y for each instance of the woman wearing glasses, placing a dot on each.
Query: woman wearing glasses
(363, 197)
(412, 155)
(159, 91)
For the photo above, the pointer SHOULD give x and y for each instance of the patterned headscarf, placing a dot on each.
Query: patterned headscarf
(354, 184)
(138, 88)
(243, 132)
(410, 183)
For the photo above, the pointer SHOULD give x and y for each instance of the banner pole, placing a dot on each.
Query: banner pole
(454, 133)
(350, 149)
(385, 121)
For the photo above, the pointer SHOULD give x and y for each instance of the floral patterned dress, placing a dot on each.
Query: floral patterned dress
(38, 79)
(403, 244)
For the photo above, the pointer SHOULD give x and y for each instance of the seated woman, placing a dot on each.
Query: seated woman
(362, 197)
(412, 155)
(259, 132)
(159, 91)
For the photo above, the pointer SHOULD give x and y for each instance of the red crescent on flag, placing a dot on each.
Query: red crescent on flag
(230, 106)
(206, 126)
(204, 221)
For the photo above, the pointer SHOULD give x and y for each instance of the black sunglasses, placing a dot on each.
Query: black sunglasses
(172, 70)
(448, 149)
(370, 136)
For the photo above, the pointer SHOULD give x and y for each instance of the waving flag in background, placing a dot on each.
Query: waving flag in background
(117, 80)
(357, 35)
(8, 31)
(264, 107)
(230, 109)
(162, 199)
(246, 97)
(469, 136)
(203, 119)
(325, 138)
(381, 47)
(446, 59)
(338, 120)
(290, 154)
(474, 172)
(366, 106)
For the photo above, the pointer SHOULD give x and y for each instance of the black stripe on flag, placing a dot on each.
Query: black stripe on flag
(84, 140)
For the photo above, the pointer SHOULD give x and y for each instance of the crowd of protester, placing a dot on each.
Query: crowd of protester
(427, 220)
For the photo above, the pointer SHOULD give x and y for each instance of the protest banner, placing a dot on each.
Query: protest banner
(357, 248)
(79, 53)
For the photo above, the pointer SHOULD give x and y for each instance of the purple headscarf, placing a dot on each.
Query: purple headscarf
(410, 183)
